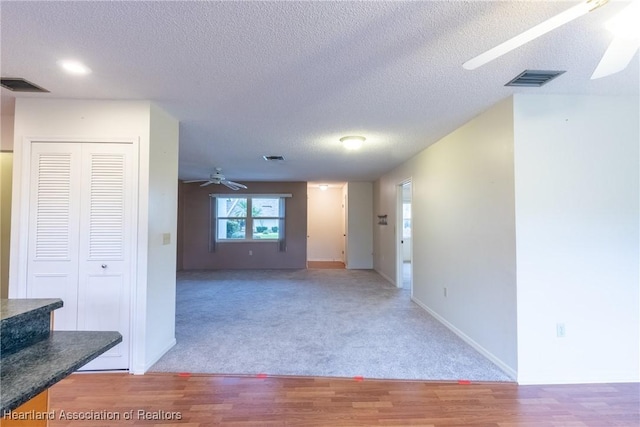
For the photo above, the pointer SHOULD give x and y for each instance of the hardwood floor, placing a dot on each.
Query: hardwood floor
(210, 400)
(328, 265)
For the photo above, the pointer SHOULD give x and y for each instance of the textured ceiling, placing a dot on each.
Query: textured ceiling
(247, 79)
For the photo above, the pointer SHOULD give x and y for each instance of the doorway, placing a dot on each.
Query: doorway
(325, 226)
(404, 237)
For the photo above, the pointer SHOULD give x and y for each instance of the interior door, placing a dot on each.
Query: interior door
(105, 247)
(54, 209)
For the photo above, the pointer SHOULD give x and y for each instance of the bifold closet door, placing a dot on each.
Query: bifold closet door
(106, 242)
(82, 223)
(54, 224)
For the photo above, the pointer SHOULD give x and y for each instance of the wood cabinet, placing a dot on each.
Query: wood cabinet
(38, 406)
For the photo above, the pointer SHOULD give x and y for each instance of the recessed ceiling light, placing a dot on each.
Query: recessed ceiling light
(352, 142)
(74, 67)
(323, 187)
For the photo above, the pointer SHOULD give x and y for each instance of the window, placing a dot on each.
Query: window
(249, 218)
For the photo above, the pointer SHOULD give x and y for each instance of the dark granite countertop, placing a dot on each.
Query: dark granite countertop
(15, 307)
(30, 371)
(24, 322)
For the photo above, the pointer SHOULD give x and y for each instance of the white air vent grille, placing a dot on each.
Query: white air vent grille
(534, 78)
(53, 206)
(107, 207)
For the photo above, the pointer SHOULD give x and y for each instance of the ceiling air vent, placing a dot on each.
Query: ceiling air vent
(273, 158)
(534, 78)
(18, 84)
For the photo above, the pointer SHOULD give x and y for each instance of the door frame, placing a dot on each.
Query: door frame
(20, 224)
(398, 228)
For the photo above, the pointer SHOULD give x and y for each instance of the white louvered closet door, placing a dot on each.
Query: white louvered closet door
(106, 247)
(54, 221)
(81, 238)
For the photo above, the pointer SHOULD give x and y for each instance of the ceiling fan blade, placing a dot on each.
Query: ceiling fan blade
(195, 180)
(618, 55)
(206, 183)
(237, 184)
(533, 33)
(233, 185)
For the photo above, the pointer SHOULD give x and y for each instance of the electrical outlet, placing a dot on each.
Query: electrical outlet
(560, 330)
(445, 291)
(166, 238)
(250, 252)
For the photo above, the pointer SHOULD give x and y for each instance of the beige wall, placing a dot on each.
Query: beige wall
(6, 169)
(463, 232)
(359, 212)
(195, 212)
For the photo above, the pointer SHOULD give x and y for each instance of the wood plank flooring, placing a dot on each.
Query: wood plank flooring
(212, 400)
(326, 265)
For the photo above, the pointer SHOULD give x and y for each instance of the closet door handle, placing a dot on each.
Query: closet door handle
(104, 266)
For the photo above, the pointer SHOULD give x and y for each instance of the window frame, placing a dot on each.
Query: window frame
(248, 219)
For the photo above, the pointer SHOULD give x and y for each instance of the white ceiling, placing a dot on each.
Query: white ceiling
(247, 79)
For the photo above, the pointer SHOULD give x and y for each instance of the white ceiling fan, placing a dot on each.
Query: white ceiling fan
(621, 51)
(218, 178)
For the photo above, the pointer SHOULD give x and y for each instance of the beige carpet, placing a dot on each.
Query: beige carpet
(313, 322)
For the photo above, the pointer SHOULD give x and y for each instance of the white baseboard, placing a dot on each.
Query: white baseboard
(393, 282)
(486, 353)
(159, 355)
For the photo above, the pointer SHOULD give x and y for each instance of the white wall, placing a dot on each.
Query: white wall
(359, 225)
(463, 232)
(576, 181)
(55, 118)
(324, 227)
(162, 222)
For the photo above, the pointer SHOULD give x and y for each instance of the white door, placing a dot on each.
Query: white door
(94, 276)
(54, 213)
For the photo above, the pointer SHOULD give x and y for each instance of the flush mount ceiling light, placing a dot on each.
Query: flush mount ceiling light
(74, 67)
(323, 187)
(352, 142)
